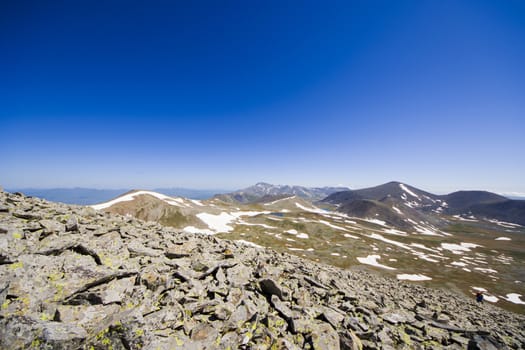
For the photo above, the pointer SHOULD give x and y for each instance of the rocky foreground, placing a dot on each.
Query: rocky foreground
(74, 278)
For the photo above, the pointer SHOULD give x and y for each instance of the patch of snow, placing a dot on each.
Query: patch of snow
(393, 231)
(404, 188)
(417, 277)
(335, 254)
(332, 226)
(381, 238)
(422, 246)
(311, 210)
(463, 219)
(376, 221)
(302, 235)
(295, 249)
(485, 270)
(279, 200)
(219, 222)
(458, 263)
(130, 196)
(372, 260)
(196, 202)
(292, 232)
(503, 239)
(459, 248)
(251, 244)
(479, 289)
(426, 231)
(350, 236)
(397, 210)
(514, 298)
(490, 298)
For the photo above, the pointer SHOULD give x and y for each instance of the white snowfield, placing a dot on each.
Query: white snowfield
(372, 260)
(130, 196)
(503, 239)
(514, 298)
(415, 277)
(221, 222)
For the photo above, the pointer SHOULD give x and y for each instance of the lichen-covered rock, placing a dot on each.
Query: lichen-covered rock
(72, 277)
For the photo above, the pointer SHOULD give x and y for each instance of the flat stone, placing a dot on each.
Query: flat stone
(394, 318)
(324, 337)
(62, 334)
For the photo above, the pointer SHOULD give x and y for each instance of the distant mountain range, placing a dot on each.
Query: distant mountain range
(397, 203)
(261, 190)
(89, 196)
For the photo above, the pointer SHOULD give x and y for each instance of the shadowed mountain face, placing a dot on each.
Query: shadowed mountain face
(406, 201)
(261, 189)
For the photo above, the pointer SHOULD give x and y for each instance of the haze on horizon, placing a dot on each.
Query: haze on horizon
(224, 95)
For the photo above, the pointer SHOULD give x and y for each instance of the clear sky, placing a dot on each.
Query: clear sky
(223, 94)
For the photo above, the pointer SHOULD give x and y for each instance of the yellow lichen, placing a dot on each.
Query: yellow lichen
(17, 235)
(16, 265)
(179, 342)
(45, 317)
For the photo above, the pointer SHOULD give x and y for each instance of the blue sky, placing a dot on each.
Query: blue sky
(225, 94)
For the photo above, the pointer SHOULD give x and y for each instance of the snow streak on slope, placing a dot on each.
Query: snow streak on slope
(404, 188)
(131, 196)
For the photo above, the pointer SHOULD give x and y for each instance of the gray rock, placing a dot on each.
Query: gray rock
(349, 341)
(26, 215)
(282, 308)
(324, 337)
(271, 287)
(479, 342)
(72, 224)
(52, 226)
(137, 249)
(61, 335)
(394, 318)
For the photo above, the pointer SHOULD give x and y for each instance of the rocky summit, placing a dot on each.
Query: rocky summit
(75, 278)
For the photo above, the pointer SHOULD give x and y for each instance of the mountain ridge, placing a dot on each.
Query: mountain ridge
(74, 277)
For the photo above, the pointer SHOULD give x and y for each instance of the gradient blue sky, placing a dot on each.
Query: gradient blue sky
(223, 94)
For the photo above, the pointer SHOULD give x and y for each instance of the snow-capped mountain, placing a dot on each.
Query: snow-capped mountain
(262, 189)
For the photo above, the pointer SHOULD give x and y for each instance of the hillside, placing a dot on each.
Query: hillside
(391, 236)
(75, 278)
